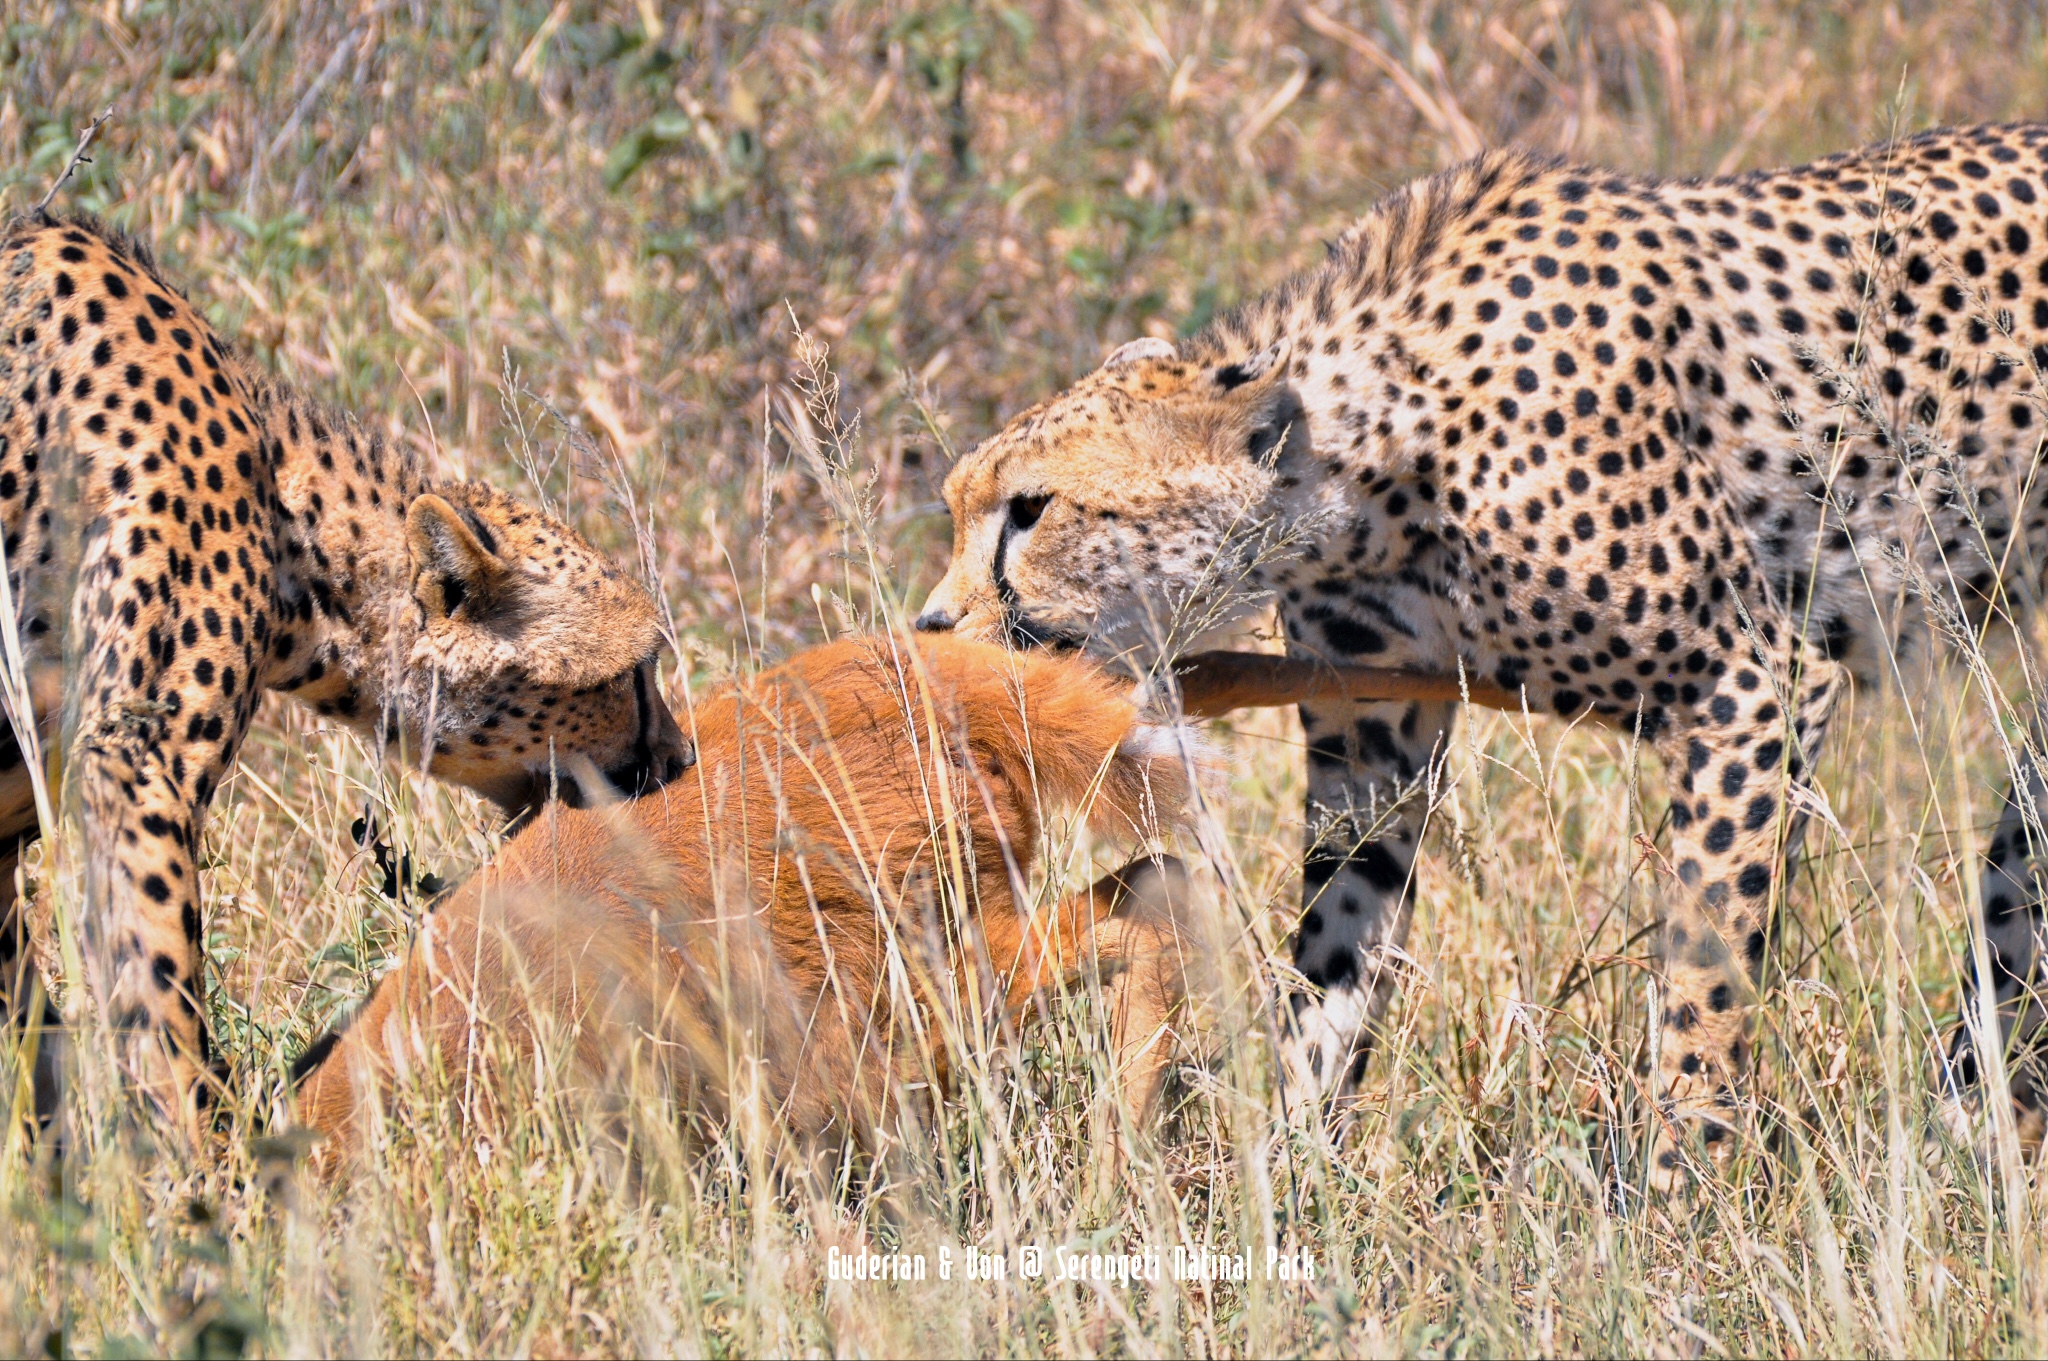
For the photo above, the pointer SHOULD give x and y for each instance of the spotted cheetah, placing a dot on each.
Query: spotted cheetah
(1685, 455)
(183, 533)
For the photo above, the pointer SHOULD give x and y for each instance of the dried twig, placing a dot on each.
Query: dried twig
(78, 156)
(335, 60)
(341, 53)
(1439, 110)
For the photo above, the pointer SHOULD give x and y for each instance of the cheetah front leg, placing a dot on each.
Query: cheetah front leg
(19, 994)
(144, 800)
(1367, 802)
(1735, 760)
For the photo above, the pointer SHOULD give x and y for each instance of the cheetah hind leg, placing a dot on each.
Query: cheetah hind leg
(2014, 920)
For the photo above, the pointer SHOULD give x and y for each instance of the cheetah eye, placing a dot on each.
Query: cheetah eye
(1025, 510)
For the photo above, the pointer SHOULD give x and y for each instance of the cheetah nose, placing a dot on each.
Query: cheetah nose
(674, 764)
(935, 621)
(669, 751)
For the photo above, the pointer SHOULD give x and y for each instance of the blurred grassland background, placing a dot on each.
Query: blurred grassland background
(567, 248)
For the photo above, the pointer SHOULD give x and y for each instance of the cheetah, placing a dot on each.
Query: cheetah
(1684, 455)
(834, 793)
(182, 534)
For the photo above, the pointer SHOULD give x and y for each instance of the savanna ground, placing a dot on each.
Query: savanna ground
(570, 249)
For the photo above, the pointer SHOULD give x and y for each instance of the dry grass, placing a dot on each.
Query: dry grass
(402, 205)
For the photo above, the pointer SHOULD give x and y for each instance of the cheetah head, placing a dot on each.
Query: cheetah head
(1094, 519)
(533, 666)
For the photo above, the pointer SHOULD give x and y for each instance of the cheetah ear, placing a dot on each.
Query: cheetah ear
(1145, 347)
(1279, 427)
(453, 568)
(1271, 360)
(1275, 424)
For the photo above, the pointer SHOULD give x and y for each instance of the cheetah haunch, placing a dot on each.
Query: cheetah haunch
(862, 821)
(1681, 453)
(196, 534)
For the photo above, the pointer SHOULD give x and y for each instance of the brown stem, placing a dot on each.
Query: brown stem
(1214, 683)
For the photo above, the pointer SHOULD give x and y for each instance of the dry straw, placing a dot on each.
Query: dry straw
(969, 205)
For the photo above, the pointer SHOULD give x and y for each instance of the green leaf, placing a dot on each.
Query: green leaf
(663, 133)
(1019, 23)
(874, 162)
(239, 221)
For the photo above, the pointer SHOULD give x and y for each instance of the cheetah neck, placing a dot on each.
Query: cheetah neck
(1365, 434)
(1367, 355)
(1370, 282)
(347, 616)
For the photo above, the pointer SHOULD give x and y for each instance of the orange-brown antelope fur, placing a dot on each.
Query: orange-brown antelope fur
(872, 801)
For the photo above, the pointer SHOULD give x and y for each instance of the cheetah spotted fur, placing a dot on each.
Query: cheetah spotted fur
(1682, 454)
(182, 534)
